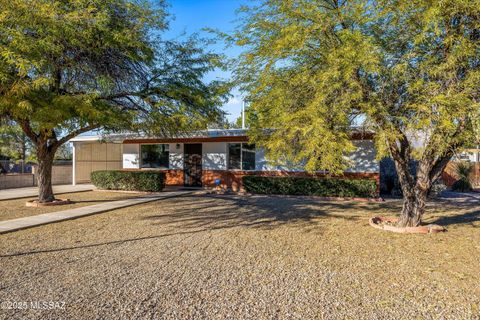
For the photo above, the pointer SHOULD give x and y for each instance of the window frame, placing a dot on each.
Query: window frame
(241, 156)
(141, 158)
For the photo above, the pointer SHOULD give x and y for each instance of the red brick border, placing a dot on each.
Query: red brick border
(56, 202)
(377, 223)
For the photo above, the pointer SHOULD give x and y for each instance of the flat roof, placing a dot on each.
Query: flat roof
(205, 134)
(210, 135)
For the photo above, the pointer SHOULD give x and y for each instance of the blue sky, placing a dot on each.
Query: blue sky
(190, 16)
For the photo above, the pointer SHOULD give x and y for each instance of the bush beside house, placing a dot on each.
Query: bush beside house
(323, 187)
(463, 171)
(151, 181)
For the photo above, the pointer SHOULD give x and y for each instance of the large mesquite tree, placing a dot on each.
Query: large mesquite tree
(67, 67)
(409, 69)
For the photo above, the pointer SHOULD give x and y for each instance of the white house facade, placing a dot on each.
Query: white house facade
(200, 159)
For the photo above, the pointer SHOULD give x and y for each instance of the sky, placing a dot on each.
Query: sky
(190, 16)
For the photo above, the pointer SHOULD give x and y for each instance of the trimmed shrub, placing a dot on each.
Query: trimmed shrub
(129, 180)
(462, 185)
(323, 187)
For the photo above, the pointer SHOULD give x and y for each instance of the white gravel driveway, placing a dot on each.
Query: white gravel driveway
(204, 257)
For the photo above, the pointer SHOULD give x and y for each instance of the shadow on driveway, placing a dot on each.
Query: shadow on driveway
(202, 213)
(228, 211)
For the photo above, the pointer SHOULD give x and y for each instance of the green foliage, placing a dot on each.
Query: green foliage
(68, 67)
(14, 143)
(462, 186)
(410, 69)
(463, 171)
(64, 152)
(71, 66)
(153, 181)
(324, 187)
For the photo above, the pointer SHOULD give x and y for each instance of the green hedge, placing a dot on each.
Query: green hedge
(323, 187)
(129, 180)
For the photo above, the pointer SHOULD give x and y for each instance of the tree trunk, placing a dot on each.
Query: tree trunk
(415, 194)
(24, 151)
(44, 176)
(415, 190)
(413, 208)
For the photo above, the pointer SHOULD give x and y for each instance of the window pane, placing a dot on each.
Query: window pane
(154, 156)
(234, 150)
(248, 156)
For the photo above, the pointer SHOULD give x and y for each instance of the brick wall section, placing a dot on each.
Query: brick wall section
(20, 180)
(174, 178)
(233, 179)
(61, 174)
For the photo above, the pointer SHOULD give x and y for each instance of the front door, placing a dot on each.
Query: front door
(192, 166)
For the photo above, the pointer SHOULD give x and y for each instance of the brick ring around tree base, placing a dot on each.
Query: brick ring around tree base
(56, 202)
(389, 224)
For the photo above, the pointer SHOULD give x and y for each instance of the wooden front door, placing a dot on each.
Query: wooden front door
(192, 166)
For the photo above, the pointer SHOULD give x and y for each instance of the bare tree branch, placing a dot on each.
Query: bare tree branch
(75, 133)
(25, 125)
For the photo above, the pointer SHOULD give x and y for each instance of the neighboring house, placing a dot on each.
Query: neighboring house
(200, 159)
(472, 156)
(469, 155)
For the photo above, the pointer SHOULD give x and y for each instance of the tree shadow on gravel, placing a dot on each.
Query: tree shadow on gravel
(229, 211)
(93, 245)
(194, 214)
(188, 215)
(465, 218)
(267, 212)
(453, 211)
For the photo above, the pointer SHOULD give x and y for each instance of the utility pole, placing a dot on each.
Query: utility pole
(243, 114)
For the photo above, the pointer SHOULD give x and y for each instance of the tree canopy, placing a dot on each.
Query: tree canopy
(67, 67)
(73, 66)
(14, 144)
(410, 69)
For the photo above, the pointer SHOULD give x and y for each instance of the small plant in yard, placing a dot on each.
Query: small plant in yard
(463, 184)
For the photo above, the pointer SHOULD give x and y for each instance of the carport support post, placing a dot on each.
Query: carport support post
(73, 163)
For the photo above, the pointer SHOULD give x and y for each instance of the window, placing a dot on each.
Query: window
(241, 156)
(248, 156)
(234, 156)
(154, 156)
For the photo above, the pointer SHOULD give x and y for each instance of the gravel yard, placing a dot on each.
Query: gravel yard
(13, 209)
(258, 257)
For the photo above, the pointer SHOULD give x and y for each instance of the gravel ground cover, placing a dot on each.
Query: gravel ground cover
(254, 257)
(12, 209)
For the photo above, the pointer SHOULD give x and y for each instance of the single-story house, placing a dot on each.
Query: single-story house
(468, 155)
(200, 159)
